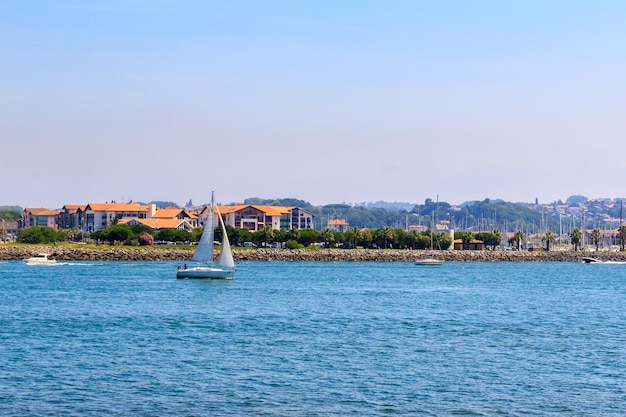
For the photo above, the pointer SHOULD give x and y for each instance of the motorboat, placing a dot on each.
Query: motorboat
(40, 259)
(589, 260)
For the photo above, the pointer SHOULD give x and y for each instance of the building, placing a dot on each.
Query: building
(254, 218)
(175, 213)
(70, 216)
(474, 244)
(39, 217)
(338, 225)
(158, 224)
(8, 231)
(98, 216)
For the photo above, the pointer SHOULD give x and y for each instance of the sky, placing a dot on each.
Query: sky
(325, 101)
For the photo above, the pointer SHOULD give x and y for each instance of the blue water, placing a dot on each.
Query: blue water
(313, 339)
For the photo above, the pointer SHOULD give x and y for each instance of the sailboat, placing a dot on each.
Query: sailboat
(225, 267)
(430, 261)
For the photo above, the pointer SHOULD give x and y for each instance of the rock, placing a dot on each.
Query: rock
(11, 252)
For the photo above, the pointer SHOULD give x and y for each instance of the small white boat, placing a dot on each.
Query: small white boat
(598, 261)
(429, 262)
(40, 259)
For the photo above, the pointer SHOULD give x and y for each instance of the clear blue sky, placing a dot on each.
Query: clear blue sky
(326, 101)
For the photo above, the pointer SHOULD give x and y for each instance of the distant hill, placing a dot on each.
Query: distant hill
(286, 202)
(471, 215)
(11, 208)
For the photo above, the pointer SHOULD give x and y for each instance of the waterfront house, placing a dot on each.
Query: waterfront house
(158, 224)
(98, 216)
(175, 213)
(473, 244)
(8, 230)
(254, 218)
(338, 225)
(70, 216)
(39, 217)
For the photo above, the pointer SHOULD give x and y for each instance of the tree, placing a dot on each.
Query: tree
(622, 236)
(548, 238)
(352, 237)
(308, 236)
(442, 241)
(595, 237)
(494, 240)
(145, 238)
(383, 236)
(293, 234)
(518, 238)
(576, 236)
(266, 235)
(366, 237)
(466, 238)
(75, 234)
(9, 215)
(413, 238)
(118, 233)
(328, 237)
(37, 234)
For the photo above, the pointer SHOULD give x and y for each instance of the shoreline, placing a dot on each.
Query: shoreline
(8, 253)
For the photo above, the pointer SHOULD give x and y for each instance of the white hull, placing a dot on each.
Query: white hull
(205, 273)
(40, 260)
(225, 267)
(597, 261)
(429, 262)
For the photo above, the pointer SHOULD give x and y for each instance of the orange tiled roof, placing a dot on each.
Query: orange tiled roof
(117, 207)
(74, 206)
(338, 222)
(230, 209)
(273, 210)
(39, 211)
(155, 223)
(268, 210)
(167, 213)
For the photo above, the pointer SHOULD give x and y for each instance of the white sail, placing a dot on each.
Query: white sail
(226, 255)
(204, 251)
(225, 268)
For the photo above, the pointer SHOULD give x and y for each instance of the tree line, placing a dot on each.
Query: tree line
(385, 237)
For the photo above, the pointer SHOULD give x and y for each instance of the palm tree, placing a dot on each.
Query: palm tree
(576, 236)
(293, 234)
(517, 239)
(387, 236)
(354, 235)
(595, 237)
(328, 237)
(622, 236)
(269, 234)
(548, 238)
(497, 238)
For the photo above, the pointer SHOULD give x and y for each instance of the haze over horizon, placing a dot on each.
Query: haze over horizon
(328, 102)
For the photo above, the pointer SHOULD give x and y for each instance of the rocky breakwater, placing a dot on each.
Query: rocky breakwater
(8, 252)
(397, 255)
(61, 253)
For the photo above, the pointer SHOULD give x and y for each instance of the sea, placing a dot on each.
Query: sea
(313, 339)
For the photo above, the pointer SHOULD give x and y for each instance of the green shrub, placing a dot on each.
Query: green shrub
(292, 244)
